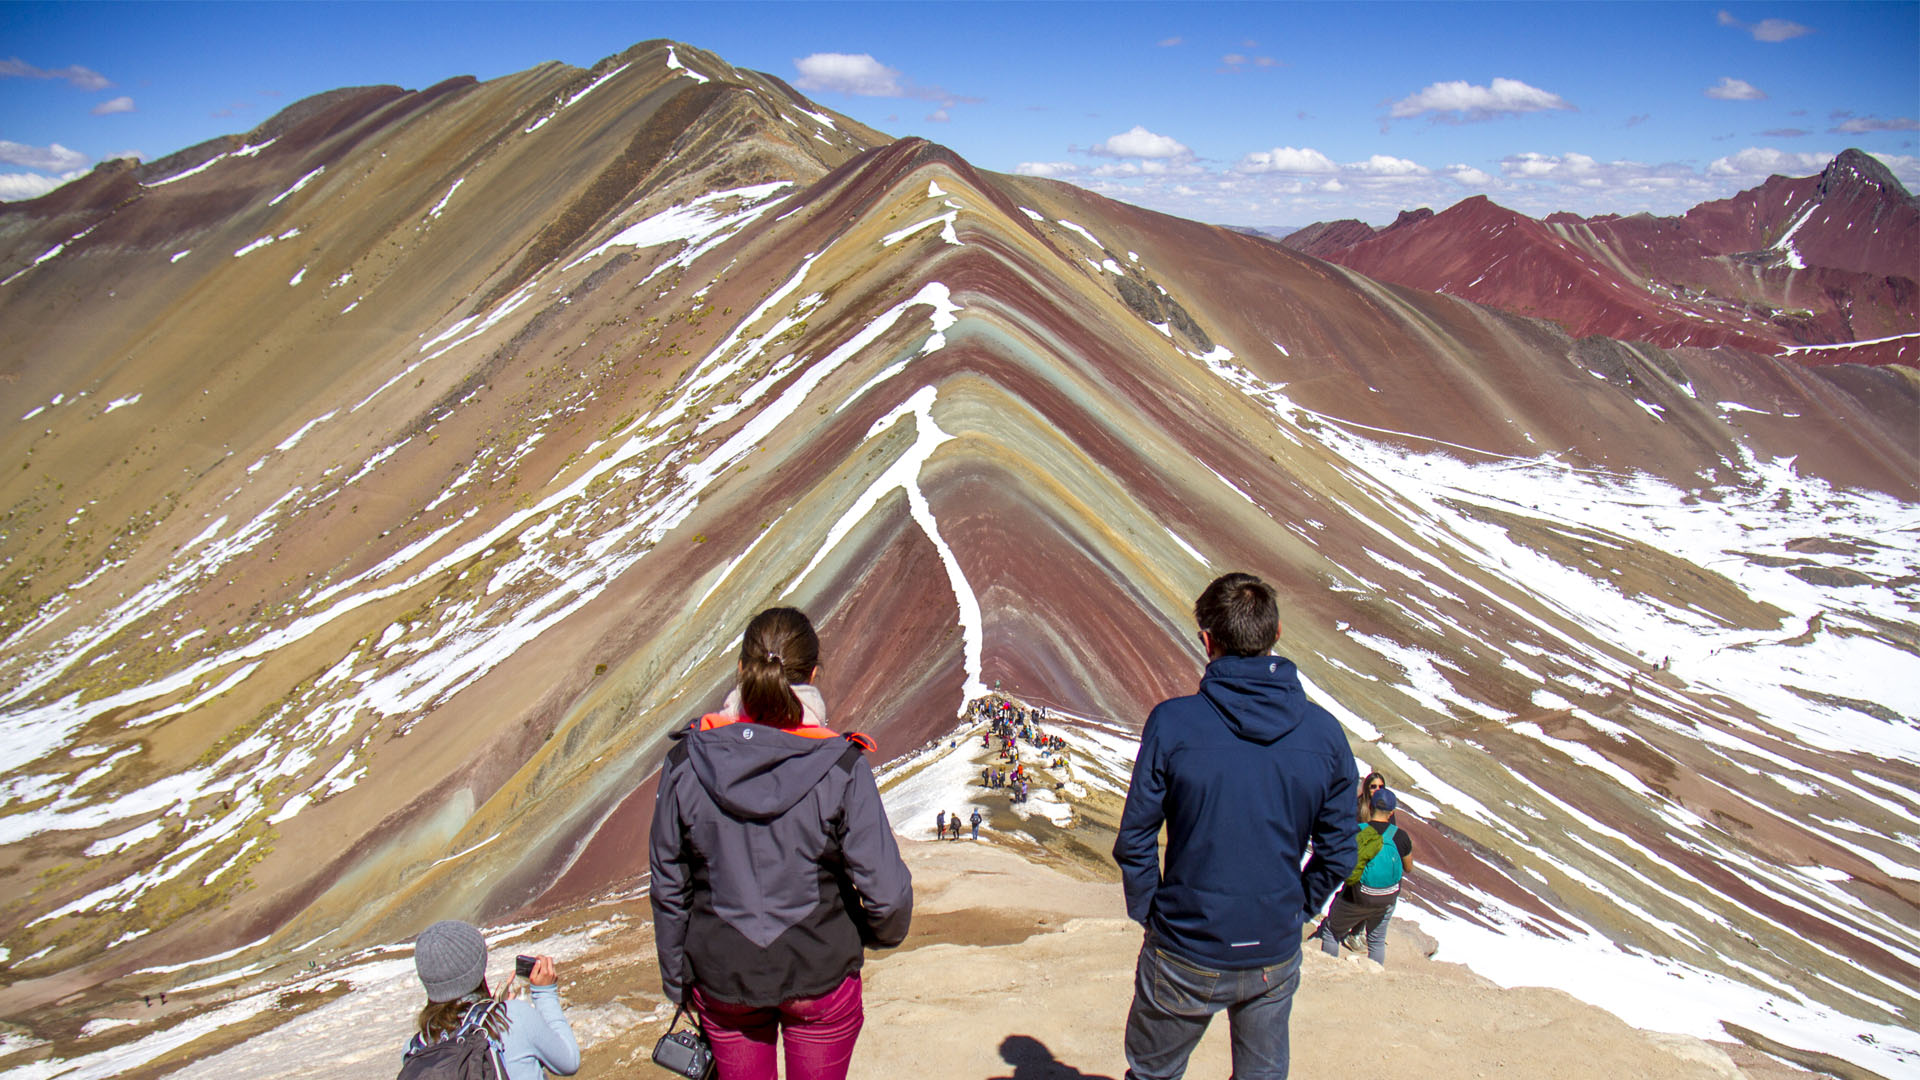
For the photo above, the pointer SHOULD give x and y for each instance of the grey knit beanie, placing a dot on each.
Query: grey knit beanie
(451, 957)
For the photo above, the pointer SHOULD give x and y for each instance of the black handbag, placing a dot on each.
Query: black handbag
(685, 1053)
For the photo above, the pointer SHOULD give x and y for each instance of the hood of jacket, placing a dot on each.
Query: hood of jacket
(758, 772)
(1259, 696)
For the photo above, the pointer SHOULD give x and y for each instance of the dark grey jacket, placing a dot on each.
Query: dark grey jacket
(773, 865)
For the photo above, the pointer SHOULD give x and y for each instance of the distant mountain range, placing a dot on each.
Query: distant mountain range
(384, 486)
(1818, 268)
(1270, 232)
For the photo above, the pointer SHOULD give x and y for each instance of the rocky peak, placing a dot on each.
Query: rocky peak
(1854, 169)
(1410, 217)
(1323, 237)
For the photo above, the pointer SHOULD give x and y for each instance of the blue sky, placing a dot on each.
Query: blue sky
(1262, 114)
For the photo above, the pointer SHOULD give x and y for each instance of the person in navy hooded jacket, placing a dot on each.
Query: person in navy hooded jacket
(1243, 774)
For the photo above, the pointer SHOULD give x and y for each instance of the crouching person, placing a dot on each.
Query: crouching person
(464, 1021)
(1242, 774)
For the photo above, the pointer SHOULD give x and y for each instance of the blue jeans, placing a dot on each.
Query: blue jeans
(1346, 917)
(1174, 998)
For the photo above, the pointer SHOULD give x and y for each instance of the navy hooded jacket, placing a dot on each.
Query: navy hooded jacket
(1243, 774)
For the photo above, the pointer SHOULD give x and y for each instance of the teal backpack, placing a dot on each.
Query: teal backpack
(1381, 874)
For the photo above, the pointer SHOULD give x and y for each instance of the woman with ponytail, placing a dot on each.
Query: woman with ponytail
(774, 867)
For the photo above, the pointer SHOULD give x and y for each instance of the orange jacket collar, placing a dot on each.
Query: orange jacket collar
(805, 731)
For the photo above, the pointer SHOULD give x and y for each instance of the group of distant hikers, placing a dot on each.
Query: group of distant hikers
(1013, 724)
(774, 867)
(947, 827)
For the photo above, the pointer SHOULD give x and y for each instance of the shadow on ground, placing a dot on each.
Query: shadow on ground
(1031, 1060)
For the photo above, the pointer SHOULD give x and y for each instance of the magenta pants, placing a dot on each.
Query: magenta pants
(819, 1033)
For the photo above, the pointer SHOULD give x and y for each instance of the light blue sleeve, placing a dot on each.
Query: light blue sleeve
(539, 1040)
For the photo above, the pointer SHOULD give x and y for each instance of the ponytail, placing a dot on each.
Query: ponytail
(778, 650)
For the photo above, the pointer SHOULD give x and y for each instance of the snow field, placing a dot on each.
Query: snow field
(362, 1031)
(674, 64)
(297, 185)
(945, 775)
(699, 223)
(1768, 671)
(325, 732)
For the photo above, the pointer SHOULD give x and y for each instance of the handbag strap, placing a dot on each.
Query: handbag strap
(679, 1009)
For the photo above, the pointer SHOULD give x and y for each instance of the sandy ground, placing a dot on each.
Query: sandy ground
(1019, 967)
(974, 995)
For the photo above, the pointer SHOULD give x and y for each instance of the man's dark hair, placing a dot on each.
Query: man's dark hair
(1240, 613)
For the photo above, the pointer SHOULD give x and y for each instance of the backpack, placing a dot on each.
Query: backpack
(468, 1054)
(1380, 874)
(1370, 844)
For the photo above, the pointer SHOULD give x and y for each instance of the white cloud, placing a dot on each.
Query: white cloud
(848, 73)
(1138, 142)
(54, 158)
(1760, 162)
(1767, 29)
(938, 116)
(1467, 176)
(1383, 165)
(861, 75)
(1731, 89)
(117, 105)
(1298, 161)
(1529, 164)
(1905, 167)
(1236, 61)
(17, 186)
(1566, 166)
(1855, 125)
(1046, 168)
(1170, 42)
(84, 78)
(1627, 181)
(1469, 103)
(1297, 185)
(1149, 167)
(1583, 184)
(1289, 160)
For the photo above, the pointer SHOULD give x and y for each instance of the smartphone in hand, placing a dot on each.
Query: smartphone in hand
(521, 986)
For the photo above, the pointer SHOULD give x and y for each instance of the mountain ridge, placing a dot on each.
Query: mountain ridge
(347, 600)
(1753, 271)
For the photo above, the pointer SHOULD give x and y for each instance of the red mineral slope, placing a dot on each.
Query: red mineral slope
(1821, 269)
(382, 497)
